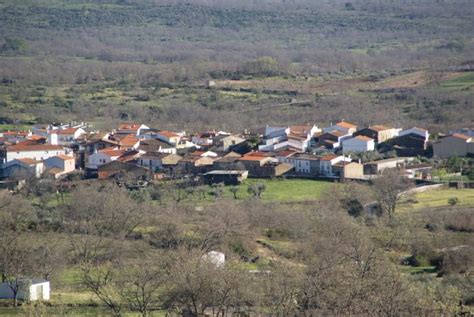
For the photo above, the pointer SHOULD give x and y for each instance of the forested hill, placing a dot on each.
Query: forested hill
(365, 60)
(195, 15)
(271, 25)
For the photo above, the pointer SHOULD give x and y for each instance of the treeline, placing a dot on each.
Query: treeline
(148, 250)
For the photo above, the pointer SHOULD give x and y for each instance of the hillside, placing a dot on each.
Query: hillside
(149, 61)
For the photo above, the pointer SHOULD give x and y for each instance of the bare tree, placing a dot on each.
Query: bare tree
(388, 188)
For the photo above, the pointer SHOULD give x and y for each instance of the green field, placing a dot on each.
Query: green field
(437, 198)
(463, 82)
(285, 190)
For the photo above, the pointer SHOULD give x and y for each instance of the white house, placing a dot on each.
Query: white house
(31, 150)
(205, 138)
(170, 137)
(359, 143)
(418, 131)
(333, 139)
(205, 154)
(132, 128)
(23, 167)
(216, 258)
(303, 163)
(28, 290)
(15, 136)
(327, 162)
(345, 127)
(103, 157)
(62, 162)
(68, 135)
(298, 137)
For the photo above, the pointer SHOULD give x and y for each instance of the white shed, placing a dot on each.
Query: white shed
(216, 258)
(30, 290)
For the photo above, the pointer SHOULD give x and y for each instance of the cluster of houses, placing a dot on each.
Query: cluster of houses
(57, 150)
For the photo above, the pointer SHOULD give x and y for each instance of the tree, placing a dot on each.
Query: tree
(256, 189)
(14, 44)
(453, 201)
(196, 285)
(101, 280)
(234, 190)
(141, 282)
(388, 187)
(349, 6)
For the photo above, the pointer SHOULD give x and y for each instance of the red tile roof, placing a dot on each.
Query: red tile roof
(15, 133)
(258, 154)
(197, 153)
(128, 141)
(129, 126)
(29, 146)
(168, 134)
(29, 161)
(346, 125)
(65, 157)
(252, 158)
(379, 128)
(286, 153)
(66, 131)
(328, 157)
(300, 131)
(461, 136)
(363, 138)
(112, 152)
(337, 133)
(129, 156)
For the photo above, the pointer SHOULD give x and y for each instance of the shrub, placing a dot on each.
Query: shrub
(453, 201)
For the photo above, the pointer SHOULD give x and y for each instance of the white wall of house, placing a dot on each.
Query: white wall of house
(357, 145)
(300, 165)
(30, 292)
(35, 155)
(64, 139)
(325, 167)
(275, 132)
(98, 159)
(339, 128)
(421, 132)
(152, 163)
(201, 141)
(18, 168)
(66, 165)
(452, 146)
(172, 150)
(53, 138)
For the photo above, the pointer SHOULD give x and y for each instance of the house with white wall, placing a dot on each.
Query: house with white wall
(298, 137)
(31, 150)
(22, 168)
(342, 126)
(66, 164)
(68, 135)
(304, 163)
(357, 144)
(327, 162)
(169, 136)
(103, 157)
(418, 131)
(132, 128)
(27, 290)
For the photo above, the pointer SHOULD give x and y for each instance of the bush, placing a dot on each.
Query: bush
(453, 201)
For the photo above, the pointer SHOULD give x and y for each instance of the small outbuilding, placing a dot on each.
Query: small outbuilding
(228, 177)
(28, 290)
(216, 258)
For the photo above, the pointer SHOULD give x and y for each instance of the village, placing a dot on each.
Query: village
(338, 152)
